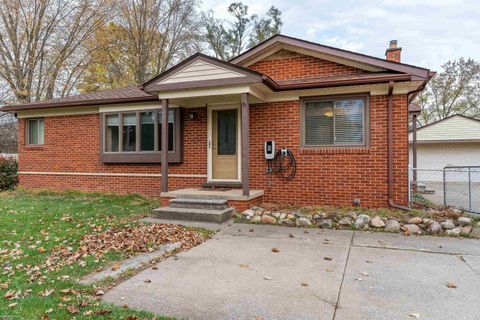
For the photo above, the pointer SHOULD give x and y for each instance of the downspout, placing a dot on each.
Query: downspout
(391, 203)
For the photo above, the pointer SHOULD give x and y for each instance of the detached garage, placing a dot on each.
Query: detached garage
(453, 141)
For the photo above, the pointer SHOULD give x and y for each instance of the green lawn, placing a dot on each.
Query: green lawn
(32, 225)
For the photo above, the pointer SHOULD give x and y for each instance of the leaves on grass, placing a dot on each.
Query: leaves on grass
(129, 239)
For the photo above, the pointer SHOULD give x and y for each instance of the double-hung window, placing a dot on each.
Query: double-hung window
(334, 121)
(35, 131)
(136, 136)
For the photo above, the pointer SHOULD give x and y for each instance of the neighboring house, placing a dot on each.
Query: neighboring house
(343, 115)
(453, 141)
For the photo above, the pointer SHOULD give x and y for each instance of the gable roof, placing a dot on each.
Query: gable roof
(202, 71)
(453, 128)
(278, 40)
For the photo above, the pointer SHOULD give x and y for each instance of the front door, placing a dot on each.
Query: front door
(224, 144)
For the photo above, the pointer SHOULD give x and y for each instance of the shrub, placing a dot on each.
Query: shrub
(8, 174)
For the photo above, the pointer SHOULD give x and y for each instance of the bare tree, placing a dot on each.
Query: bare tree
(242, 32)
(42, 51)
(159, 32)
(455, 90)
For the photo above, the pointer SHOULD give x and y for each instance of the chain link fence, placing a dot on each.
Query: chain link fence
(454, 186)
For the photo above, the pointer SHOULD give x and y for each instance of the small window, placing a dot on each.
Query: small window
(129, 132)
(113, 133)
(171, 135)
(334, 122)
(36, 128)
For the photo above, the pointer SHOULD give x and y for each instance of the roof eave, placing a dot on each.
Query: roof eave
(25, 107)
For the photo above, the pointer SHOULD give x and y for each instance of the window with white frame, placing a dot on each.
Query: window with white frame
(35, 131)
(334, 122)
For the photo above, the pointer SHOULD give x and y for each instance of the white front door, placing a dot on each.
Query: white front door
(224, 144)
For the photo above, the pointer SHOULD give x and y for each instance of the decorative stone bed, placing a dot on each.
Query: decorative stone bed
(435, 221)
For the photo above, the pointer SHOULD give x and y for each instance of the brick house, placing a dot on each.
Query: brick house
(343, 116)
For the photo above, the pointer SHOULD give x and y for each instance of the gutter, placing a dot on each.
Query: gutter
(391, 202)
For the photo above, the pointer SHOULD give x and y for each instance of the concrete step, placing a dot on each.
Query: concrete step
(191, 214)
(199, 203)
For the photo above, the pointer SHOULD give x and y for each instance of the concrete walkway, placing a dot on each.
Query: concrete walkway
(345, 275)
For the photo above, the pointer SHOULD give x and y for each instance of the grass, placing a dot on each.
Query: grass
(32, 224)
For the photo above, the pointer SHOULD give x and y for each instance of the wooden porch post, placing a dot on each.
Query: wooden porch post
(164, 144)
(245, 144)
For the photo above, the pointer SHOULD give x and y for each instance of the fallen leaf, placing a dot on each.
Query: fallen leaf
(12, 305)
(45, 317)
(415, 315)
(327, 258)
(49, 310)
(147, 280)
(47, 292)
(244, 266)
(275, 250)
(4, 286)
(304, 284)
(41, 250)
(116, 266)
(251, 230)
(365, 274)
(329, 270)
(72, 309)
(155, 268)
(9, 295)
(451, 285)
(102, 312)
(291, 235)
(267, 278)
(99, 293)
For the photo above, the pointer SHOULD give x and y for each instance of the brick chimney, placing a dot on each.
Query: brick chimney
(393, 53)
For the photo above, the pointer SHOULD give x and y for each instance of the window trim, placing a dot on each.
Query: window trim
(138, 156)
(27, 133)
(366, 120)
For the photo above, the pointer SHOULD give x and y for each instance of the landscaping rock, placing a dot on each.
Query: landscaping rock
(303, 222)
(467, 229)
(361, 221)
(427, 222)
(475, 232)
(256, 219)
(464, 221)
(352, 214)
(435, 228)
(478, 224)
(415, 220)
(453, 213)
(268, 219)
(377, 222)
(455, 232)
(325, 223)
(248, 213)
(392, 226)
(288, 223)
(411, 229)
(448, 224)
(277, 214)
(290, 216)
(345, 221)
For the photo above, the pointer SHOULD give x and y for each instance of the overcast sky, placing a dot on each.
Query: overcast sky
(429, 31)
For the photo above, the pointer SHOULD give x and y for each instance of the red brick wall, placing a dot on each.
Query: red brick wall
(72, 145)
(331, 176)
(297, 66)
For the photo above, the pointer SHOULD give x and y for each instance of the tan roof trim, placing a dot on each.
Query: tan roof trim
(418, 72)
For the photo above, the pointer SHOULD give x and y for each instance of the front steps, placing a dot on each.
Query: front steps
(203, 209)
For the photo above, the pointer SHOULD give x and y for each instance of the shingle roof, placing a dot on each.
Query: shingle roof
(128, 94)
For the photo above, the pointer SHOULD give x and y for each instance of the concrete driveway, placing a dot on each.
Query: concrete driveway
(345, 275)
